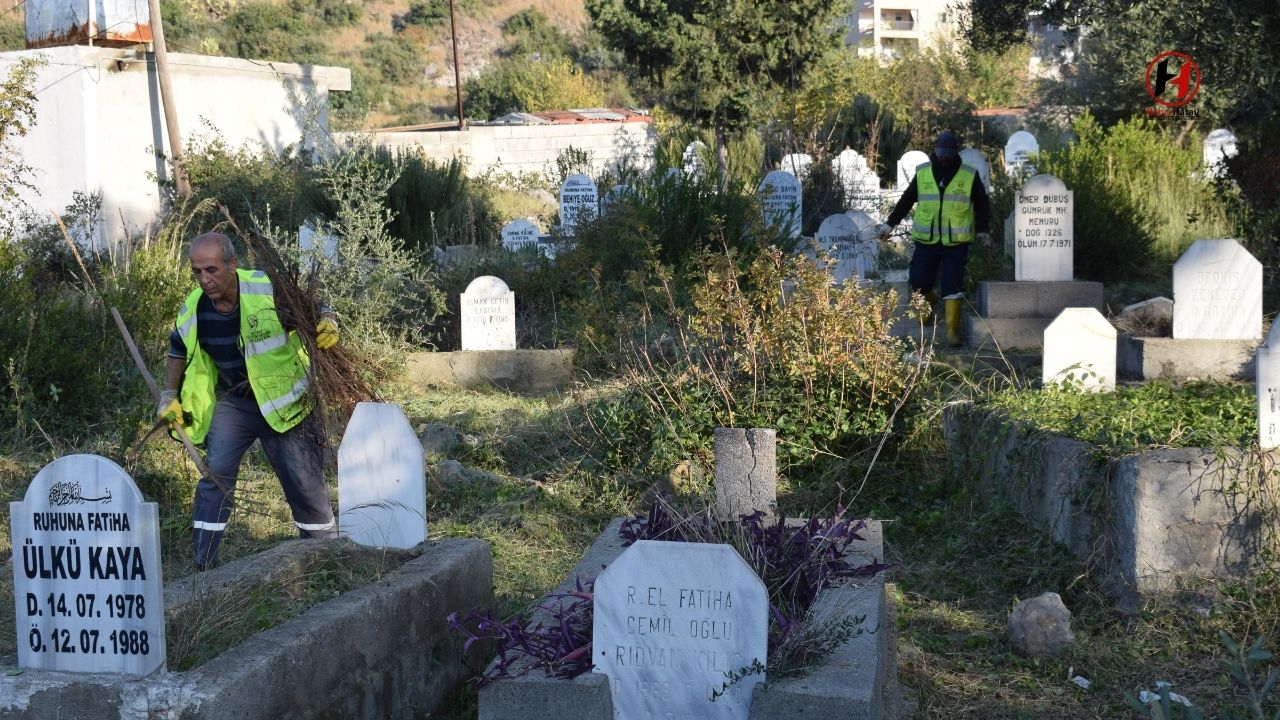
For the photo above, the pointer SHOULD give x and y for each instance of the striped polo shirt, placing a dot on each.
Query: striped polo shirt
(219, 335)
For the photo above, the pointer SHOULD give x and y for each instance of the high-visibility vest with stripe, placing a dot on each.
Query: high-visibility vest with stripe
(944, 217)
(274, 358)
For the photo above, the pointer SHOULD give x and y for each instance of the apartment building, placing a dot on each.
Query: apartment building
(891, 28)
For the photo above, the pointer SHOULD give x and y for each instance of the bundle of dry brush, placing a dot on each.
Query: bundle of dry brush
(340, 376)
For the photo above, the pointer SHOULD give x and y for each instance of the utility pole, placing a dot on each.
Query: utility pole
(457, 70)
(166, 101)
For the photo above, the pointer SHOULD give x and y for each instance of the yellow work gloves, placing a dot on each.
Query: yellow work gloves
(169, 408)
(326, 333)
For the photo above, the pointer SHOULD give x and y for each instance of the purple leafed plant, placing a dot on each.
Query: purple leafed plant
(795, 562)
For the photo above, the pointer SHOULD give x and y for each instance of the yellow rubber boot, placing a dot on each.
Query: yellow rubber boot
(951, 306)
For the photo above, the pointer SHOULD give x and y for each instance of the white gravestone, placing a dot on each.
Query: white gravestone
(617, 195)
(1268, 368)
(309, 238)
(1043, 231)
(1017, 153)
(671, 619)
(1080, 350)
(691, 160)
(1218, 146)
(852, 247)
(975, 159)
(861, 184)
(519, 234)
(1217, 293)
(488, 315)
(382, 498)
(797, 164)
(907, 165)
(87, 590)
(578, 201)
(780, 195)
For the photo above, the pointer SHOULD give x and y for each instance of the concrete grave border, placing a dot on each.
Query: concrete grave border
(858, 680)
(1144, 522)
(382, 650)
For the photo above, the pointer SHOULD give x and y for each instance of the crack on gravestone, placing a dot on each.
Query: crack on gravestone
(751, 484)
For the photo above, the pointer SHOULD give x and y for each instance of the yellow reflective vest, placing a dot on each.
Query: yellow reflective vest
(944, 217)
(274, 358)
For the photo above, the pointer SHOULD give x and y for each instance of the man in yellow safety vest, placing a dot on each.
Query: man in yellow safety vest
(951, 210)
(236, 373)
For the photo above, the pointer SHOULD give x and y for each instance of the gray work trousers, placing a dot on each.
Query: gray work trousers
(295, 455)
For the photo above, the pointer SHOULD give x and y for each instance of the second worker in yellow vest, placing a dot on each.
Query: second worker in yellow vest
(951, 211)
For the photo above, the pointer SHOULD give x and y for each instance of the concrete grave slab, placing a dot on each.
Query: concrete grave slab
(519, 371)
(746, 471)
(1162, 358)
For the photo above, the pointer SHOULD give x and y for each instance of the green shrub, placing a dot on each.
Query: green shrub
(335, 13)
(13, 34)
(1139, 199)
(263, 30)
(530, 32)
(393, 57)
(521, 85)
(434, 204)
(427, 13)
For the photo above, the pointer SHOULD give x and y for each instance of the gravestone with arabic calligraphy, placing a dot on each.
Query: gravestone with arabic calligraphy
(672, 619)
(87, 591)
(1017, 153)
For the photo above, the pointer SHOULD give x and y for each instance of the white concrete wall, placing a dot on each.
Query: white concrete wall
(519, 149)
(99, 121)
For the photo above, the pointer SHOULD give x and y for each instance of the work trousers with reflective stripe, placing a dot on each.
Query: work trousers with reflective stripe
(930, 261)
(295, 455)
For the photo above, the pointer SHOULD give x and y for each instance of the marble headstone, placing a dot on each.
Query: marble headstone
(519, 234)
(860, 182)
(1017, 153)
(616, 195)
(488, 315)
(1043, 230)
(309, 238)
(578, 201)
(1268, 368)
(780, 196)
(797, 164)
(1217, 293)
(907, 165)
(1218, 146)
(87, 590)
(1080, 350)
(382, 498)
(975, 158)
(671, 619)
(691, 160)
(837, 236)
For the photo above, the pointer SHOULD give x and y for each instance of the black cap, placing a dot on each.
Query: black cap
(947, 145)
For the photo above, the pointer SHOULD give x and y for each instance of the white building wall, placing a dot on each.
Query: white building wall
(520, 149)
(871, 27)
(99, 121)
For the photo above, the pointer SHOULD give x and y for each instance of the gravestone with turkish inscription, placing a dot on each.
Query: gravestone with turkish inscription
(520, 234)
(488, 315)
(907, 165)
(579, 201)
(1043, 230)
(860, 183)
(780, 195)
(672, 622)
(797, 164)
(1217, 293)
(976, 160)
(853, 251)
(1080, 350)
(1268, 376)
(87, 591)
(382, 499)
(1018, 151)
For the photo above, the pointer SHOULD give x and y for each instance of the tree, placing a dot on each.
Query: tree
(994, 25)
(17, 115)
(715, 63)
